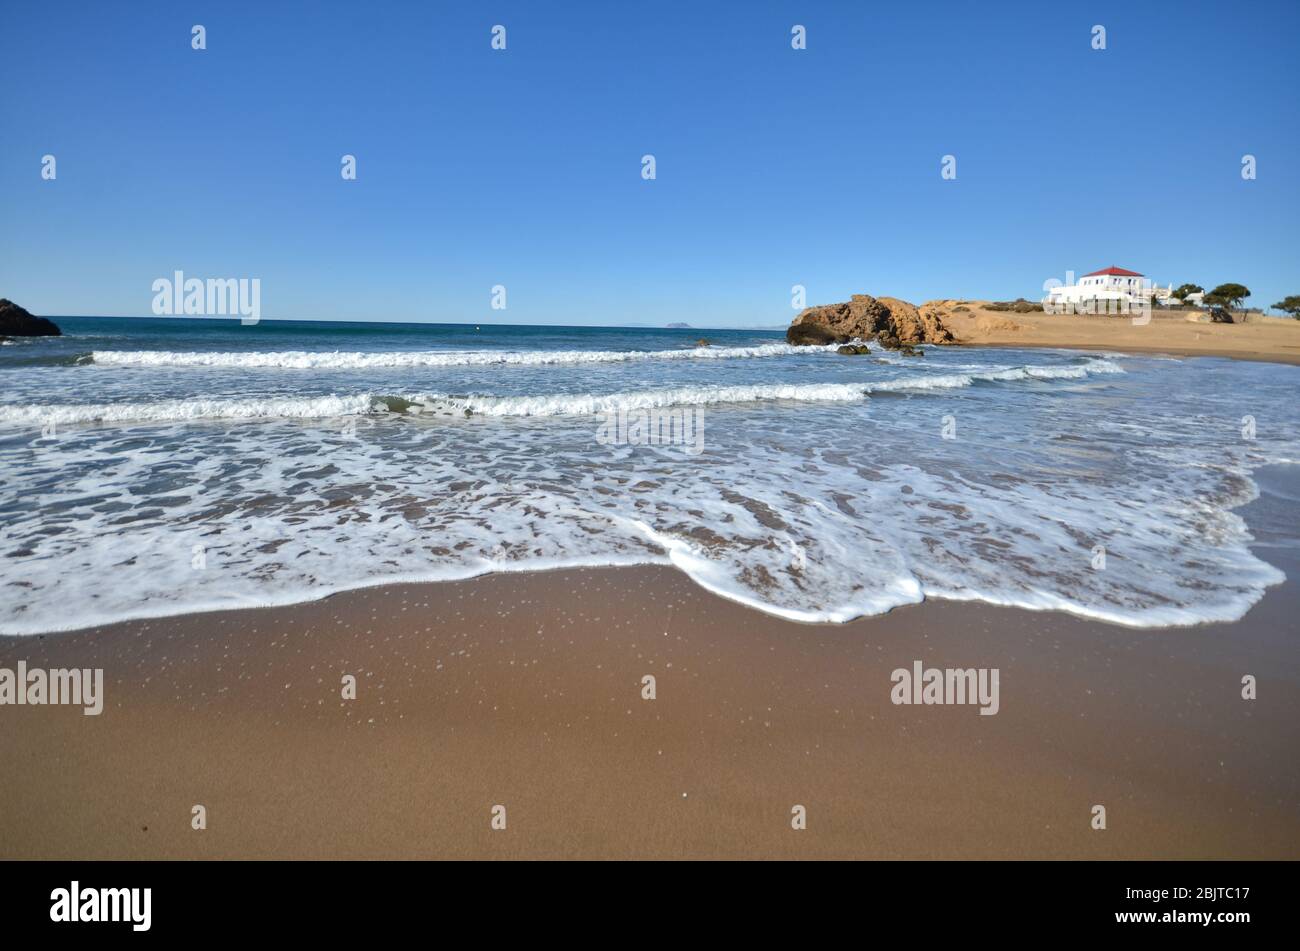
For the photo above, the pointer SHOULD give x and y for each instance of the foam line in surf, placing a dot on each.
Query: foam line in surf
(358, 360)
(546, 404)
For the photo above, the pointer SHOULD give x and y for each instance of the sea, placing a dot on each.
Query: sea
(157, 466)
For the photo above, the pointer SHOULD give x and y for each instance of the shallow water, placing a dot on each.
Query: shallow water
(158, 466)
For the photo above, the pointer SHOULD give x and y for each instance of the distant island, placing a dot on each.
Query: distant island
(678, 326)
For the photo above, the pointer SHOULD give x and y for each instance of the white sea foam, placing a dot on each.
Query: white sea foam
(161, 411)
(366, 404)
(544, 404)
(587, 404)
(948, 381)
(358, 360)
(825, 534)
(813, 512)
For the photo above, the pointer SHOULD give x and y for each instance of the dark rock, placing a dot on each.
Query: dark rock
(811, 334)
(854, 349)
(16, 322)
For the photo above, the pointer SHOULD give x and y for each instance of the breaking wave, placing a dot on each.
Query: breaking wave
(356, 360)
(544, 404)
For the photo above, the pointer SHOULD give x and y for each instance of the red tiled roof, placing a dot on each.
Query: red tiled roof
(1114, 272)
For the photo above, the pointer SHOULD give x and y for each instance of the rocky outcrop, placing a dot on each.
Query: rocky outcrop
(933, 330)
(16, 322)
(894, 323)
(811, 334)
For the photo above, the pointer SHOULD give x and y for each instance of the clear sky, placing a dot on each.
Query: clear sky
(775, 167)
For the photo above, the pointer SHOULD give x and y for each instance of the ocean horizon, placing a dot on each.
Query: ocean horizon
(699, 432)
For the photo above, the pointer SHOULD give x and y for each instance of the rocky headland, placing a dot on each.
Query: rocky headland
(894, 324)
(17, 322)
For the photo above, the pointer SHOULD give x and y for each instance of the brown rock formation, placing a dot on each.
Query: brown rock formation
(932, 326)
(895, 323)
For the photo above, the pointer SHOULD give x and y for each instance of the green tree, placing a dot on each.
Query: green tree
(1227, 297)
(1186, 289)
(1289, 305)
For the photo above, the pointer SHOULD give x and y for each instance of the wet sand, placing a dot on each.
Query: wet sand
(524, 690)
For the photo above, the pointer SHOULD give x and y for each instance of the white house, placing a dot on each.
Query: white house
(1112, 284)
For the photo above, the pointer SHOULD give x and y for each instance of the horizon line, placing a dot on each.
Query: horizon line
(420, 323)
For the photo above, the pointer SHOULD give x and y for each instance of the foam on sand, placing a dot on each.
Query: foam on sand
(822, 490)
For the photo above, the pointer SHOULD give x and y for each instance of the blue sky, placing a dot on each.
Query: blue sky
(775, 167)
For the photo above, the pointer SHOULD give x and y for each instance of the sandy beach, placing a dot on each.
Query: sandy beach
(1272, 339)
(525, 690)
(556, 433)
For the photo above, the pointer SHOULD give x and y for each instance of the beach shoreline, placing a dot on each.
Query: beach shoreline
(1261, 339)
(526, 690)
(1181, 353)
